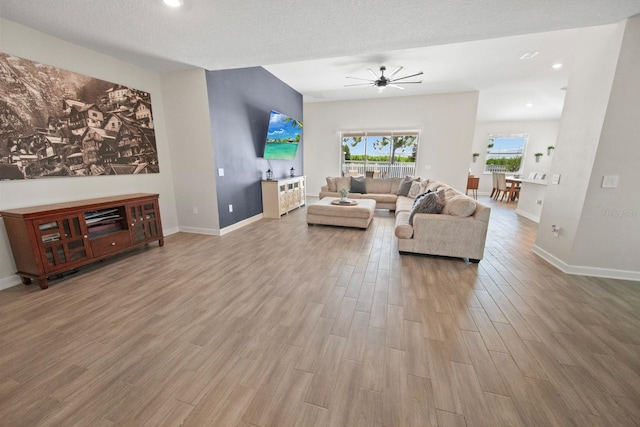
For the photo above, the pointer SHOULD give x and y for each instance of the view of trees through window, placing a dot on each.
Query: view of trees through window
(379, 154)
(504, 153)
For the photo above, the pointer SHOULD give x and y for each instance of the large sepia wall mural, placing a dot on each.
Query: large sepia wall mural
(56, 123)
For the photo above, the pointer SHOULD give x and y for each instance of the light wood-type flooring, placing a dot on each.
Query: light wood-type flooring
(281, 324)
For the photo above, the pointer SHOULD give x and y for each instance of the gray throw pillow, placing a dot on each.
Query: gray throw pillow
(358, 185)
(405, 185)
(418, 198)
(431, 203)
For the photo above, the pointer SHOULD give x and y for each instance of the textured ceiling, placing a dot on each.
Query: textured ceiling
(349, 35)
(238, 33)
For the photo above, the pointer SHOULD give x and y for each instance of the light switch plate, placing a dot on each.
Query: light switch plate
(556, 179)
(220, 171)
(610, 181)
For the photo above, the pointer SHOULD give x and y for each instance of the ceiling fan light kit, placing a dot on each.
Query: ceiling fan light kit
(383, 81)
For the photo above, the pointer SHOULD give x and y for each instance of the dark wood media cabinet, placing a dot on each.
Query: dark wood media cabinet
(51, 239)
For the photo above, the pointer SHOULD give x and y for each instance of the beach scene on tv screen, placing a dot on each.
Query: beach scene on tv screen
(283, 137)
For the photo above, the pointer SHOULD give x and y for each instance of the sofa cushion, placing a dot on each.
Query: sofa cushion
(358, 185)
(331, 184)
(403, 229)
(381, 198)
(405, 185)
(461, 206)
(431, 203)
(403, 204)
(378, 185)
(395, 183)
(343, 182)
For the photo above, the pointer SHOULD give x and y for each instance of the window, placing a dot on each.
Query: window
(383, 154)
(504, 153)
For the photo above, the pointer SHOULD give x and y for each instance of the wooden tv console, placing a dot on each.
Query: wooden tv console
(51, 239)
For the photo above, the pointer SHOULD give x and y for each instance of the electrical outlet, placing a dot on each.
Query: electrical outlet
(220, 171)
(230, 208)
(195, 210)
(555, 230)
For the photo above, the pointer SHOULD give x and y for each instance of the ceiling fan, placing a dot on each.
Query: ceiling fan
(383, 81)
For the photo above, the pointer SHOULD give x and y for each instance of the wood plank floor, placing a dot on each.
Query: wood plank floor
(281, 324)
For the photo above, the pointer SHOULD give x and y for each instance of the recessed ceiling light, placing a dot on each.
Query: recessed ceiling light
(173, 3)
(556, 66)
(529, 55)
(529, 105)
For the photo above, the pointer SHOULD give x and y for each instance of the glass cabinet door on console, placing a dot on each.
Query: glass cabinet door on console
(62, 241)
(145, 222)
(282, 199)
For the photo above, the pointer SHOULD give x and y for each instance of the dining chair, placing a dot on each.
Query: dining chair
(376, 173)
(472, 184)
(494, 177)
(501, 186)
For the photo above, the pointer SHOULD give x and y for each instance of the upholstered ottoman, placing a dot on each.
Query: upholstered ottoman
(325, 213)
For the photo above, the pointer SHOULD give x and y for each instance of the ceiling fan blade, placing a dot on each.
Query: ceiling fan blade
(358, 78)
(360, 84)
(406, 77)
(395, 86)
(404, 83)
(375, 76)
(395, 71)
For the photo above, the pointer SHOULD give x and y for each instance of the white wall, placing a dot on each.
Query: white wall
(189, 127)
(586, 103)
(33, 45)
(608, 235)
(446, 123)
(542, 133)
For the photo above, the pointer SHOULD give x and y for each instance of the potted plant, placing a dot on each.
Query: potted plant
(538, 155)
(475, 156)
(343, 193)
(550, 149)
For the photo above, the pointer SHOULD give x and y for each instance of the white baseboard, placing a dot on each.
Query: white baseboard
(223, 231)
(170, 231)
(196, 230)
(527, 215)
(579, 270)
(8, 282)
(240, 224)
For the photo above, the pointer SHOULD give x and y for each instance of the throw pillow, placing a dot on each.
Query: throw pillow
(405, 185)
(331, 184)
(461, 206)
(358, 185)
(343, 182)
(434, 185)
(430, 203)
(414, 191)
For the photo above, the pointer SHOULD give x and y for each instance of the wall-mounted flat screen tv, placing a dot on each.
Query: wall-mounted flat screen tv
(283, 137)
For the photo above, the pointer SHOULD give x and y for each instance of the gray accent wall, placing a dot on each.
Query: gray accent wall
(240, 101)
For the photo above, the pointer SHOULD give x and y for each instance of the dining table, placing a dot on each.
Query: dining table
(512, 182)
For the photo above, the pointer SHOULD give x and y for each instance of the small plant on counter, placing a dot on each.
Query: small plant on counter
(538, 155)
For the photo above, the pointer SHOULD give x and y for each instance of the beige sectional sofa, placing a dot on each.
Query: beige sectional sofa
(447, 234)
